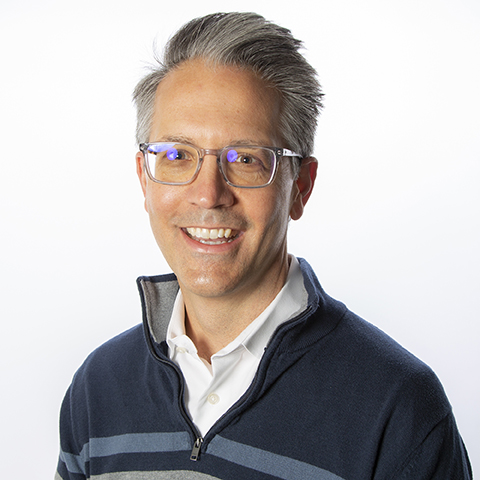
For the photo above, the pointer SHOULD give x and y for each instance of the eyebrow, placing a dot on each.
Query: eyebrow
(189, 141)
(176, 139)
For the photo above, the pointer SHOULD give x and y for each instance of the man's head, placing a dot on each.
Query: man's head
(219, 239)
(245, 40)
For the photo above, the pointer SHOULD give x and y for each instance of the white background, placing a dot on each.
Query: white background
(392, 229)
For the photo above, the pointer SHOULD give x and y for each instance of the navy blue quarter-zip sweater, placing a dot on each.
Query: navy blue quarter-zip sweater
(334, 398)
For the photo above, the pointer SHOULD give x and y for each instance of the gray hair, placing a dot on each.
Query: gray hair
(244, 40)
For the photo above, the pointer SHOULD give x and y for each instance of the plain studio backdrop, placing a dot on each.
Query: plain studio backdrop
(392, 228)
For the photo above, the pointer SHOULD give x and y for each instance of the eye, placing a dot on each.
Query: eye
(247, 159)
(241, 157)
(172, 153)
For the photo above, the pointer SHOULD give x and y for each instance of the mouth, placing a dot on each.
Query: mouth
(211, 236)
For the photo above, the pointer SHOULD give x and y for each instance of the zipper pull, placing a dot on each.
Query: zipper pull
(196, 449)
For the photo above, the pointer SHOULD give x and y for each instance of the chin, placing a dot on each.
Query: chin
(208, 286)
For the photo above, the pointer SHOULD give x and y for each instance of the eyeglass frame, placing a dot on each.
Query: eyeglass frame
(279, 152)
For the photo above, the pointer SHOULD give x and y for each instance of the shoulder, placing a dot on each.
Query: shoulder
(384, 355)
(390, 364)
(122, 353)
(121, 343)
(354, 363)
(347, 343)
(387, 398)
(369, 355)
(374, 382)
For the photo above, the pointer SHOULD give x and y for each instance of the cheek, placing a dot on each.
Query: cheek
(159, 200)
(160, 206)
(276, 211)
(286, 188)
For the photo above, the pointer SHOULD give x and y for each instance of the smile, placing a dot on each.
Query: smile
(211, 236)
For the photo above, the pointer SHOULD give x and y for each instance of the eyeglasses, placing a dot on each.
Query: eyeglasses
(243, 166)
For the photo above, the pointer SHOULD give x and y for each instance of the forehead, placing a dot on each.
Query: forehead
(205, 100)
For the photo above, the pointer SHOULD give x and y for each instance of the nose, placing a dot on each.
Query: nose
(209, 190)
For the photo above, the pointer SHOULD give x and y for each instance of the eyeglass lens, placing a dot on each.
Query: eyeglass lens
(241, 166)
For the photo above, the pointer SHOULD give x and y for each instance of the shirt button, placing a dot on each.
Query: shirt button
(213, 399)
(181, 350)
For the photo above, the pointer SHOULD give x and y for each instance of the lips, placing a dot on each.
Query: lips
(211, 236)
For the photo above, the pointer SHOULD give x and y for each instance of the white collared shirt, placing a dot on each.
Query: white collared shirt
(211, 389)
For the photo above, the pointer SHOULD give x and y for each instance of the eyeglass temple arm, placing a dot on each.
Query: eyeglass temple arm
(285, 152)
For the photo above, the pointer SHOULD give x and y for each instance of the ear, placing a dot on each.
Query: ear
(303, 186)
(142, 176)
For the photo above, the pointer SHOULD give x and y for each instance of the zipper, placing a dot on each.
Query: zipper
(196, 450)
(195, 455)
(197, 446)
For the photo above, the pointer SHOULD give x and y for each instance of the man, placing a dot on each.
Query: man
(244, 367)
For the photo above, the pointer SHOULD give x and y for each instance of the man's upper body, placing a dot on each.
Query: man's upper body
(226, 126)
(333, 398)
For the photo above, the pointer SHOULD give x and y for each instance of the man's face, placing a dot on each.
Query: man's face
(212, 108)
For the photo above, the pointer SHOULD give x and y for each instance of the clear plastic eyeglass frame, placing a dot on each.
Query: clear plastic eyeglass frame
(221, 155)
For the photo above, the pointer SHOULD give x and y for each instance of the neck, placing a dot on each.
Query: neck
(213, 322)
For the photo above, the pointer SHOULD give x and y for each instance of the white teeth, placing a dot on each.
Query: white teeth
(209, 234)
